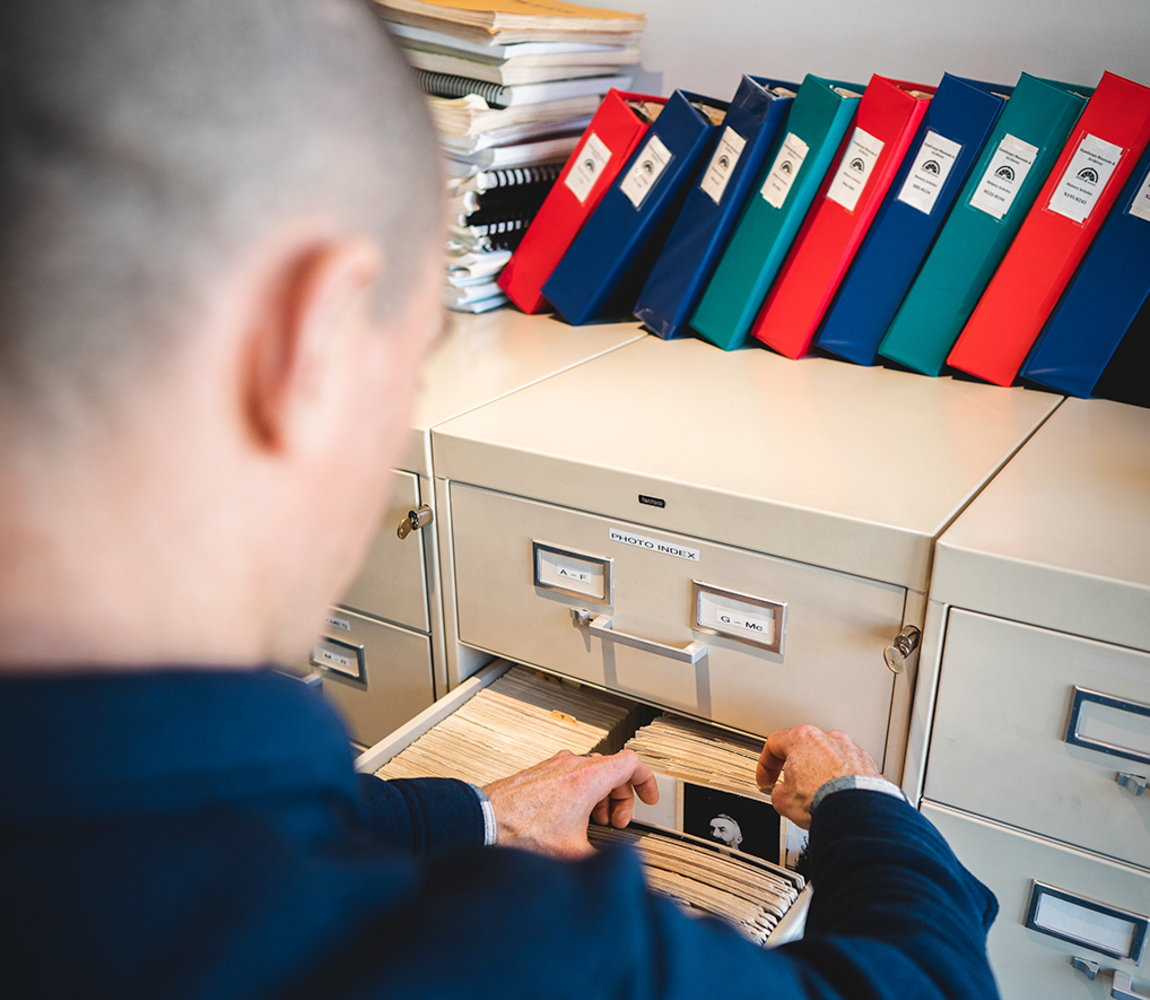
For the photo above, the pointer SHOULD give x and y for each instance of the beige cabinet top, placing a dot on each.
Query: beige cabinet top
(856, 469)
(484, 357)
(1061, 538)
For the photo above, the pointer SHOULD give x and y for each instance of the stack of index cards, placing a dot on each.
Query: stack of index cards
(752, 895)
(519, 720)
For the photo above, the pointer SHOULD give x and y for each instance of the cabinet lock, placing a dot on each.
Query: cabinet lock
(417, 517)
(905, 643)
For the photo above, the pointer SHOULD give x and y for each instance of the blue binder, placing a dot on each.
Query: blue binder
(603, 270)
(1103, 297)
(712, 208)
(949, 140)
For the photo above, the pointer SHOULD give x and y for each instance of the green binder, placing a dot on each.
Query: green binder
(795, 166)
(1002, 186)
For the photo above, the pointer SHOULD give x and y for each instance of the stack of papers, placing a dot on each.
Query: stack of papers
(519, 720)
(511, 84)
(696, 752)
(750, 894)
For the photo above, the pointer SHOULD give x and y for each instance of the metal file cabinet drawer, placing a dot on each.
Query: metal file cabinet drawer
(377, 675)
(627, 608)
(577, 720)
(1035, 728)
(1093, 897)
(393, 582)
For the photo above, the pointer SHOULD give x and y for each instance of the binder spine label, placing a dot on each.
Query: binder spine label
(585, 171)
(855, 169)
(931, 167)
(1004, 176)
(1140, 206)
(784, 170)
(645, 171)
(1085, 178)
(722, 164)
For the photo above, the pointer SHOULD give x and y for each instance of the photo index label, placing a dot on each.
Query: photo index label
(931, 167)
(784, 170)
(855, 169)
(1003, 176)
(653, 544)
(585, 171)
(1091, 166)
(723, 164)
(645, 170)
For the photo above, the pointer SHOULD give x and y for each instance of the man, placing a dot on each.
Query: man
(726, 830)
(220, 236)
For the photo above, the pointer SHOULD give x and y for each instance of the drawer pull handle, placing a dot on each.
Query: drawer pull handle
(600, 625)
(1122, 988)
(417, 517)
(1132, 783)
(1086, 967)
(906, 642)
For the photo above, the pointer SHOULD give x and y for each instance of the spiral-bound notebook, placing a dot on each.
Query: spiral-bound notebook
(498, 96)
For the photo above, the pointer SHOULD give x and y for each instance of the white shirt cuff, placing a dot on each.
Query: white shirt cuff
(490, 829)
(864, 781)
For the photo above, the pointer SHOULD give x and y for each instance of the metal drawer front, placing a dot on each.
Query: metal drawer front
(393, 582)
(1029, 962)
(628, 613)
(1009, 697)
(377, 675)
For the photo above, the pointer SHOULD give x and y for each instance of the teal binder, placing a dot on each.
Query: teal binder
(795, 166)
(1000, 190)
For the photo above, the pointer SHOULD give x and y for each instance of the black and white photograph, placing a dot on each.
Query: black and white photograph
(736, 821)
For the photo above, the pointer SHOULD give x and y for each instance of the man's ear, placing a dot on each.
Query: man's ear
(308, 306)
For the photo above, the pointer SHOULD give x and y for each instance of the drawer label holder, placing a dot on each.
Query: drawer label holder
(744, 617)
(335, 656)
(1079, 920)
(568, 571)
(1104, 714)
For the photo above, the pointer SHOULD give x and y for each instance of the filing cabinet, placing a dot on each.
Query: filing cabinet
(1030, 740)
(394, 607)
(734, 536)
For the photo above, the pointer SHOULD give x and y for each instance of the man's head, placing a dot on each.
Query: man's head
(218, 228)
(726, 830)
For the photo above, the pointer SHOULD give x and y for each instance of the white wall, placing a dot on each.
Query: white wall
(704, 45)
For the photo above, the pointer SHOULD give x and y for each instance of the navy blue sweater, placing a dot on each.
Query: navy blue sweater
(202, 834)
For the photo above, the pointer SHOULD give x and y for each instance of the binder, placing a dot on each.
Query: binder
(1102, 300)
(780, 197)
(1097, 161)
(948, 142)
(605, 267)
(869, 156)
(612, 136)
(712, 207)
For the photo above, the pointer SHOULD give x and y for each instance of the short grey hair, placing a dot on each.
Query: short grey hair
(145, 143)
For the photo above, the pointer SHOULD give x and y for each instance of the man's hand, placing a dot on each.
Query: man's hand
(811, 759)
(547, 807)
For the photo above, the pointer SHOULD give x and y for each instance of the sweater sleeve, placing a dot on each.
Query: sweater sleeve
(892, 905)
(421, 815)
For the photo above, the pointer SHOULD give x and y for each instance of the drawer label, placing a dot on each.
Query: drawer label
(340, 623)
(653, 545)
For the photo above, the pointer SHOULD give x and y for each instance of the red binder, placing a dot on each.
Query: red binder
(1097, 160)
(610, 139)
(850, 195)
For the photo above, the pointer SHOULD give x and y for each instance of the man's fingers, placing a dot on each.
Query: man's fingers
(772, 759)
